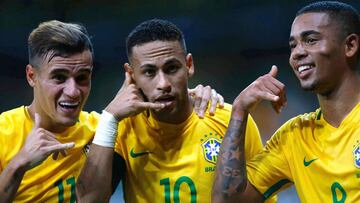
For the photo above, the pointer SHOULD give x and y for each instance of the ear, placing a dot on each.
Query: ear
(351, 45)
(31, 75)
(190, 65)
(129, 70)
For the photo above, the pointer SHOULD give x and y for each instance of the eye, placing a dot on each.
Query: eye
(310, 41)
(172, 69)
(83, 78)
(292, 45)
(149, 72)
(59, 78)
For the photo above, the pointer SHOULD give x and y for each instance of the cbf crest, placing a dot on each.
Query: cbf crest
(356, 154)
(211, 148)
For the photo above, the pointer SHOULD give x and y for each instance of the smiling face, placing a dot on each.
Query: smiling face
(161, 70)
(317, 52)
(61, 88)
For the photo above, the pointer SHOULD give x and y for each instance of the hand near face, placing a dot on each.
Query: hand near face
(129, 101)
(202, 96)
(40, 144)
(266, 87)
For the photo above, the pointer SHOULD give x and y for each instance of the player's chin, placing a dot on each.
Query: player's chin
(69, 121)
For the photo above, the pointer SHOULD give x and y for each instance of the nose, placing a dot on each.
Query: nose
(71, 88)
(163, 82)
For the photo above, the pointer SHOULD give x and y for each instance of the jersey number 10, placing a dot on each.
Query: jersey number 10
(167, 190)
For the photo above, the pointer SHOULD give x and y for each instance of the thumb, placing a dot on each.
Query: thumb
(191, 92)
(128, 80)
(274, 71)
(37, 121)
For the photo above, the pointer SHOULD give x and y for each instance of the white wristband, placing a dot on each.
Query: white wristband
(106, 130)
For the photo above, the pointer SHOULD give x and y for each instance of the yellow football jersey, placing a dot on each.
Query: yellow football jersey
(52, 180)
(175, 163)
(323, 162)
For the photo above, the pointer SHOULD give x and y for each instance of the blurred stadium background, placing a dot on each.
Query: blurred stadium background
(233, 42)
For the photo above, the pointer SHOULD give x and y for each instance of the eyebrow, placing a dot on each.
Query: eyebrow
(172, 61)
(147, 65)
(168, 62)
(63, 70)
(305, 34)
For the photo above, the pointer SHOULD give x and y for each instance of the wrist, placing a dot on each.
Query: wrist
(239, 113)
(19, 164)
(106, 130)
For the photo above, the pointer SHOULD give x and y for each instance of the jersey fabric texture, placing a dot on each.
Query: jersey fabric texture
(323, 162)
(175, 163)
(52, 180)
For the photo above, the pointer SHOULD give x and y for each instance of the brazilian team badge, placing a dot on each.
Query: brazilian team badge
(211, 148)
(356, 154)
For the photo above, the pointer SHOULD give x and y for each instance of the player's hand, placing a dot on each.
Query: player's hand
(129, 101)
(40, 144)
(204, 95)
(266, 87)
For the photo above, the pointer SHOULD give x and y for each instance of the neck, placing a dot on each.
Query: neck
(337, 104)
(45, 121)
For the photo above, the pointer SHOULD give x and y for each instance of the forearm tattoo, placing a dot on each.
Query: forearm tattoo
(231, 170)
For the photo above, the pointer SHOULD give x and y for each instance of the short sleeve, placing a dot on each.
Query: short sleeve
(269, 170)
(253, 144)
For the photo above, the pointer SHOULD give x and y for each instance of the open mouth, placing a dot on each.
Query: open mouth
(304, 68)
(69, 105)
(167, 100)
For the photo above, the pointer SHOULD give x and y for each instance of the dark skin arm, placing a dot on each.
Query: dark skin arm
(231, 183)
(10, 180)
(94, 183)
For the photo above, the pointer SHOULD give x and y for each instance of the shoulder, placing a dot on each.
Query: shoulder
(222, 115)
(11, 118)
(302, 121)
(297, 126)
(89, 118)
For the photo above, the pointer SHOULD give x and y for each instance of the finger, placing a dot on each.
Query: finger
(282, 101)
(271, 87)
(221, 100)
(63, 153)
(58, 147)
(214, 101)
(206, 95)
(37, 123)
(265, 95)
(277, 106)
(274, 71)
(276, 82)
(128, 80)
(150, 105)
(198, 94)
(49, 136)
(191, 92)
(55, 155)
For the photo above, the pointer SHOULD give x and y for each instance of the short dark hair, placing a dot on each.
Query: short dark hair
(55, 38)
(348, 17)
(152, 30)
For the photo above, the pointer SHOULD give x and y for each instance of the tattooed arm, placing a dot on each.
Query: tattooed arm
(10, 180)
(231, 183)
